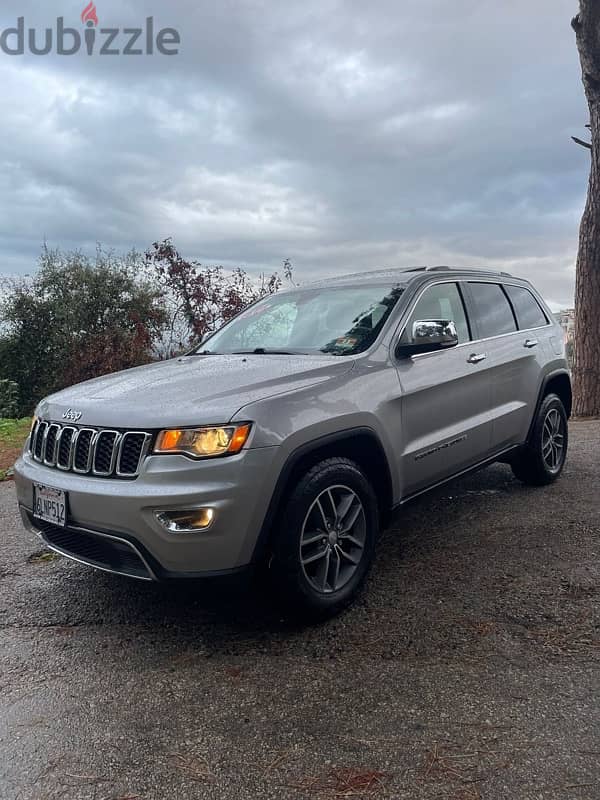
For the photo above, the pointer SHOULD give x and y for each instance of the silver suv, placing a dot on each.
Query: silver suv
(286, 439)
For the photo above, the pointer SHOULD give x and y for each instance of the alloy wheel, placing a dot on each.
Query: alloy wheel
(333, 539)
(553, 440)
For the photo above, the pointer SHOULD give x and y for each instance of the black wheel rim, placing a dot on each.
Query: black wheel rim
(333, 539)
(553, 440)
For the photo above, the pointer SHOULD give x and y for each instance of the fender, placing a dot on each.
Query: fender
(542, 393)
(293, 460)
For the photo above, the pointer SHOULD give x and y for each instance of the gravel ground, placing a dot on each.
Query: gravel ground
(469, 668)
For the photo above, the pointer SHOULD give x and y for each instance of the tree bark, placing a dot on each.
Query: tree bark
(586, 367)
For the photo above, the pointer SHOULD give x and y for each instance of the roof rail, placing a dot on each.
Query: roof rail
(468, 269)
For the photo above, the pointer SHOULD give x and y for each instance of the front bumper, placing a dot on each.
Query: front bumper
(103, 551)
(116, 517)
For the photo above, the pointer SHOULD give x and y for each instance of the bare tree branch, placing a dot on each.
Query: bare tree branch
(581, 142)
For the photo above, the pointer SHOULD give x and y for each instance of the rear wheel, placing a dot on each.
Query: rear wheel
(542, 459)
(325, 541)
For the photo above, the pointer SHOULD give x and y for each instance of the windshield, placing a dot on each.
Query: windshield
(338, 320)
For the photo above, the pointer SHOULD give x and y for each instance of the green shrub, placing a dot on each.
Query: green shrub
(75, 319)
(9, 398)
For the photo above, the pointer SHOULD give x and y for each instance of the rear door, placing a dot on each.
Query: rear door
(501, 315)
(445, 397)
(532, 347)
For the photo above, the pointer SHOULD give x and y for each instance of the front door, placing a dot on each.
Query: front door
(445, 401)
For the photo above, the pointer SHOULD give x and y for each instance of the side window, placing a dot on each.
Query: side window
(442, 301)
(528, 310)
(492, 309)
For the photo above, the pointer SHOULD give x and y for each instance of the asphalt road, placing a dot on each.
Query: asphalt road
(470, 667)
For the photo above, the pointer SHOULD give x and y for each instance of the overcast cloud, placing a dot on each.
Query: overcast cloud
(343, 135)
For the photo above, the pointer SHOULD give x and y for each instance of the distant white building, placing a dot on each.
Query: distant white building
(566, 320)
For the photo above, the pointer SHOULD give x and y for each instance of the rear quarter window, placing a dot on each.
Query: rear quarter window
(529, 312)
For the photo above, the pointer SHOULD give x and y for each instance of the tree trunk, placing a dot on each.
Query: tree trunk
(586, 368)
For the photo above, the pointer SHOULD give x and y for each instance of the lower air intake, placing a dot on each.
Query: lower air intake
(97, 550)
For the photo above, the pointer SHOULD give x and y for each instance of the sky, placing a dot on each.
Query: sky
(344, 135)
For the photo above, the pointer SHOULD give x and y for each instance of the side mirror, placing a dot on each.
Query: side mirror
(428, 335)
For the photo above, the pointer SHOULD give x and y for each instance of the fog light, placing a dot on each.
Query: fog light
(189, 520)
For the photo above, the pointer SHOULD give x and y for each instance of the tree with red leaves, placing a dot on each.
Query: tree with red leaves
(198, 298)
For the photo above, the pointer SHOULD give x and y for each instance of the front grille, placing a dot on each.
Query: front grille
(105, 454)
(106, 552)
(37, 439)
(83, 450)
(50, 449)
(63, 456)
(131, 451)
(89, 451)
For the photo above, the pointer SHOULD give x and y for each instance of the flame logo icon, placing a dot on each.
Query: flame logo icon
(89, 16)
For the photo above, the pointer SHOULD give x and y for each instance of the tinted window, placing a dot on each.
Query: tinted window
(493, 311)
(442, 301)
(527, 308)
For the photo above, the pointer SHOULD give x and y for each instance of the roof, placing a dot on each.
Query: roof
(399, 275)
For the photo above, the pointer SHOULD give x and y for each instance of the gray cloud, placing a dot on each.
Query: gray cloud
(343, 135)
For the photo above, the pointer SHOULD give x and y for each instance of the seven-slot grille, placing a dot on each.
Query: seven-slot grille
(101, 452)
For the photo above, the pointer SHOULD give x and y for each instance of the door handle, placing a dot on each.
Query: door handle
(531, 343)
(475, 358)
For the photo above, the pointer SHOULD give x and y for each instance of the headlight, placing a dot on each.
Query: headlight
(203, 442)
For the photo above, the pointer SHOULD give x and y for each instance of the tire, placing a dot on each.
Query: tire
(543, 458)
(324, 540)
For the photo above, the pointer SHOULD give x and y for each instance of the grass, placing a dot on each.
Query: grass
(42, 557)
(13, 433)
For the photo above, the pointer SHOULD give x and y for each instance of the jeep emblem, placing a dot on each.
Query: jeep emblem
(72, 416)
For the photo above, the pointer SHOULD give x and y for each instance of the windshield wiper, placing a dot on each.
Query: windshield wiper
(267, 351)
(256, 351)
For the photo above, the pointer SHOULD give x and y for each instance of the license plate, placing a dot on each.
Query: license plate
(50, 504)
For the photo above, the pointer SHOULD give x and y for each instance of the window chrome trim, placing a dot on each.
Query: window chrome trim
(477, 341)
(456, 280)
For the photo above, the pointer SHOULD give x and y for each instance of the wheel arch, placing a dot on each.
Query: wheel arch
(361, 445)
(559, 383)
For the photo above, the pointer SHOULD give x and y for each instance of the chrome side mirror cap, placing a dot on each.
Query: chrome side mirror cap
(428, 335)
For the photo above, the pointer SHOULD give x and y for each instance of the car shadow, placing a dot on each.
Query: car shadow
(226, 609)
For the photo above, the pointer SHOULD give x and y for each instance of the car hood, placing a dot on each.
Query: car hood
(185, 391)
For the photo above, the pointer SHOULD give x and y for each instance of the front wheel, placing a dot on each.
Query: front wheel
(543, 457)
(325, 539)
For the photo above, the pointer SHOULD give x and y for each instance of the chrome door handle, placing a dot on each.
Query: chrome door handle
(475, 358)
(531, 343)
